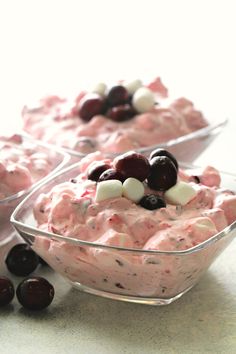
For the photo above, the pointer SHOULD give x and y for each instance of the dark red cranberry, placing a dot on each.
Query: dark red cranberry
(95, 171)
(163, 173)
(163, 152)
(117, 95)
(35, 293)
(91, 105)
(22, 260)
(121, 113)
(111, 174)
(132, 164)
(152, 202)
(7, 291)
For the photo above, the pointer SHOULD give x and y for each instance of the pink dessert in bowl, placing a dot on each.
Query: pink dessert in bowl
(24, 163)
(132, 228)
(126, 116)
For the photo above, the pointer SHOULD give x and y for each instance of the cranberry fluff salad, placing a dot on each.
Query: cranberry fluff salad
(126, 116)
(22, 163)
(133, 202)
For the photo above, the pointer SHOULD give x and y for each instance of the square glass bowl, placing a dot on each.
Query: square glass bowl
(58, 158)
(134, 275)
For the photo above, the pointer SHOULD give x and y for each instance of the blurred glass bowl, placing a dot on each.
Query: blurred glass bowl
(58, 158)
(132, 275)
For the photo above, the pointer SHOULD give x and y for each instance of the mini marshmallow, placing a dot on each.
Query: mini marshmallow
(133, 86)
(181, 193)
(108, 189)
(143, 100)
(133, 189)
(100, 89)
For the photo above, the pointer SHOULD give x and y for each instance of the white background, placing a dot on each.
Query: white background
(60, 46)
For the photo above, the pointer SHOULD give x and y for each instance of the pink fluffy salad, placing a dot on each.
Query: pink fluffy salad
(135, 202)
(22, 163)
(126, 116)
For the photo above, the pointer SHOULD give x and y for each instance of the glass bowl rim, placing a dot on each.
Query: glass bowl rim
(59, 151)
(20, 226)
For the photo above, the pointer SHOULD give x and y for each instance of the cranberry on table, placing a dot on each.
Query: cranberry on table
(7, 291)
(22, 260)
(35, 293)
(163, 173)
(152, 202)
(163, 152)
(111, 173)
(91, 105)
(121, 113)
(117, 95)
(132, 164)
(95, 171)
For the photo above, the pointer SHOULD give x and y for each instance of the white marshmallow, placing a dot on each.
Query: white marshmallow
(108, 189)
(100, 89)
(181, 193)
(133, 189)
(143, 100)
(132, 86)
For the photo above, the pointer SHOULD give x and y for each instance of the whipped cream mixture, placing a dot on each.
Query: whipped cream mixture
(22, 163)
(58, 121)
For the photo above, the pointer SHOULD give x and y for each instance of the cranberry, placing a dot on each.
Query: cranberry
(35, 293)
(22, 260)
(91, 105)
(121, 113)
(7, 291)
(132, 164)
(152, 202)
(163, 173)
(163, 152)
(111, 174)
(95, 171)
(117, 95)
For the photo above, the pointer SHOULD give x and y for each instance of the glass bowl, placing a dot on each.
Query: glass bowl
(185, 148)
(54, 120)
(59, 159)
(134, 275)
